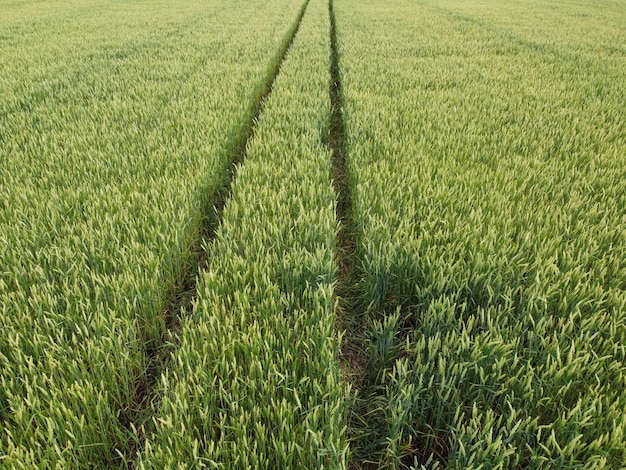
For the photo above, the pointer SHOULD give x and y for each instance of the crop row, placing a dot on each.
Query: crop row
(254, 382)
(104, 183)
(487, 169)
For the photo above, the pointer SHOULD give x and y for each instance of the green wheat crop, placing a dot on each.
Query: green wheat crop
(116, 127)
(488, 162)
(254, 383)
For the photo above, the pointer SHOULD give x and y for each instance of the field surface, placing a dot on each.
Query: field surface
(313, 234)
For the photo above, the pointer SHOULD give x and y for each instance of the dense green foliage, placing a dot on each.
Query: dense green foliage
(117, 123)
(479, 158)
(488, 163)
(254, 383)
